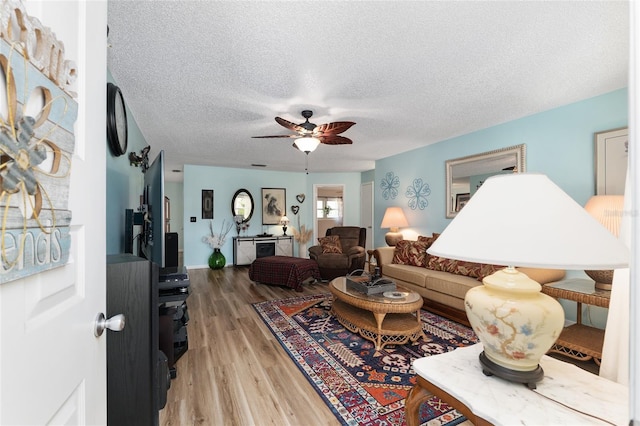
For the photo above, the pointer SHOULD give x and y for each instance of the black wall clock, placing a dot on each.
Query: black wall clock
(116, 120)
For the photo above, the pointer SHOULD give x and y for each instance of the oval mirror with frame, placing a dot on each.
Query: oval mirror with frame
(466, 174)
(242, 205)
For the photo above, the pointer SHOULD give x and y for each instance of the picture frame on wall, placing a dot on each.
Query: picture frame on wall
(207, 203)
(461, 200)
(274, 205)
(612, 154)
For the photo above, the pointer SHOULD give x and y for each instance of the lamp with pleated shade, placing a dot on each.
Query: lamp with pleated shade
(607, 209)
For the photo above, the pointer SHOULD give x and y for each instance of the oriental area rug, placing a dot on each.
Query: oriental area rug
(361, 385)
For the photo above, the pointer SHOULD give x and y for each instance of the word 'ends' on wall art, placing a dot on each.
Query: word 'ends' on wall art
(37, 115)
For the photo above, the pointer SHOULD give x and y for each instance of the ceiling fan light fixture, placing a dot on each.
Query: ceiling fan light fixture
(307, 144)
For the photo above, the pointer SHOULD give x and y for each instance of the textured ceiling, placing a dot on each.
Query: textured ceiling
(201, 78)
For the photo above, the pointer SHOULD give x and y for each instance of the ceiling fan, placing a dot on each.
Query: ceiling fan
(308, 135)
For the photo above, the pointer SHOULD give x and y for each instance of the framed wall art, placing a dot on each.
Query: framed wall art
(612, 154)
(461, 200)
(274, 205)
(207, 203)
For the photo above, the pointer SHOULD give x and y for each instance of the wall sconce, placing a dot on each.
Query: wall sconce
(141, 160)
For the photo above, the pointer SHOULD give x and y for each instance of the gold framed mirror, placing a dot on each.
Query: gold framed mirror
(466, 174)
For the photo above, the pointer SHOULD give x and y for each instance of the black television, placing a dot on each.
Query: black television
(152, 240)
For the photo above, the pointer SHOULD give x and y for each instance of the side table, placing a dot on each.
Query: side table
(567, 395)
(579, 341)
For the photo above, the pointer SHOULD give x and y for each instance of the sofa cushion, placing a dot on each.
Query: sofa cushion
(408, 273)
(330, 244)
(448, 283)
(410, 253)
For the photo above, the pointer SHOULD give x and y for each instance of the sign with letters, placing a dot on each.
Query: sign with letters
(37, 115)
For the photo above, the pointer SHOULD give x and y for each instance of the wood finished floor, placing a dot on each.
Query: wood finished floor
(235, 372)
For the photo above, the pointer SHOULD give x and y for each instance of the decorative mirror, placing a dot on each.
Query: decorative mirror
(465, 175)
(242, 204)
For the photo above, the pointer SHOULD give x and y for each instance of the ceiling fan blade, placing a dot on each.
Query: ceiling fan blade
(291, 126)
(277, 136)
(333, 128)
(335, 140)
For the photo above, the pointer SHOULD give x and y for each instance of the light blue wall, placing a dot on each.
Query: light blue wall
(226, 181)
(368, 176)
(559, 143)
(124, 184)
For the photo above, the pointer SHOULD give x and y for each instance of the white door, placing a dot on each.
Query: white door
(366, 212)
(52, 368)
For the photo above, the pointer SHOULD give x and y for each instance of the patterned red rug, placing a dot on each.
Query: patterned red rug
(362, 386)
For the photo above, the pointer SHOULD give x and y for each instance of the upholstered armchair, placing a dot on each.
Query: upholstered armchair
(340, 251)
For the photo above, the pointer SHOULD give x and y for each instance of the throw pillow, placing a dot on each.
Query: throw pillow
(428, 240)
(460, 267)
(409, 252)
(330, 244)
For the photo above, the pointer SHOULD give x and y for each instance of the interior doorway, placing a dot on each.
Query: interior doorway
(366, 212)
(328, 203)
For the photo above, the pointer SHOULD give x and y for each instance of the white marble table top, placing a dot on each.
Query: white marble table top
(567, 395)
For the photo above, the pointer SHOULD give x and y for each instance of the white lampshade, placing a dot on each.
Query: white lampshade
(307, 144)
(522, 220)
(526, 220)
(284, 220)
(393, 219)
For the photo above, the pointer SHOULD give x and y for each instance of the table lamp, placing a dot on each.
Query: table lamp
(284, 221)
(393, 219)
(607, 209)
(522, 220)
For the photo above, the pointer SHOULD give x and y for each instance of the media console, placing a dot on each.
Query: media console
(248, 249)
(173, 288)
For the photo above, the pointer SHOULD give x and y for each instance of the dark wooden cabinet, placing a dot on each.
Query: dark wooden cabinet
(136, 371)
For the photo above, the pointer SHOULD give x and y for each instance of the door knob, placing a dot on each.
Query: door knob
(115, 323)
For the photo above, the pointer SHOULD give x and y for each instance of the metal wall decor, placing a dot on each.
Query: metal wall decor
(417, 194)
(389, 185)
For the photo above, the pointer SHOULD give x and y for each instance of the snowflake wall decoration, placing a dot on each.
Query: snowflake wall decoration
(417, 194)
(390, 184)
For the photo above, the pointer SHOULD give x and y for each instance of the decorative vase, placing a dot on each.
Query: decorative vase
(302, 250)
(217, 260)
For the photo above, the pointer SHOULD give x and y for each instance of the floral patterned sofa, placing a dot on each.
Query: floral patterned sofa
(442, 282)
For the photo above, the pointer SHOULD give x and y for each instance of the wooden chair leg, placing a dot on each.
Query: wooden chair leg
(417, 397)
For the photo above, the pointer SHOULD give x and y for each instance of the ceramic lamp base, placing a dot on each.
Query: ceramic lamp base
(516, 323)
(530, 378)
(392, 238)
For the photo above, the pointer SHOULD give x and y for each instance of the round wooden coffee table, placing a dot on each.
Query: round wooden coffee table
(382, 320)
